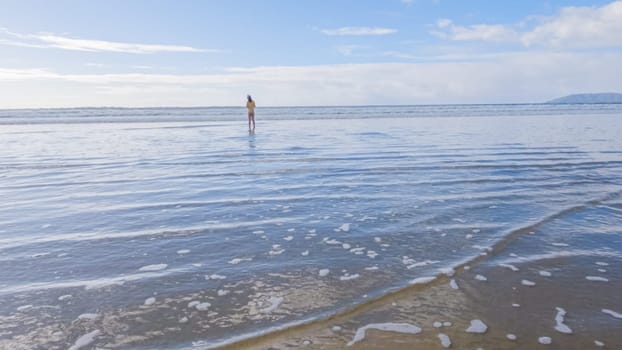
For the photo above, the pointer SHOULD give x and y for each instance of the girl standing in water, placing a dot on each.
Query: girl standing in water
(250, 104)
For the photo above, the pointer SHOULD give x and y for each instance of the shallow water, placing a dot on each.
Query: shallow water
(302, 219)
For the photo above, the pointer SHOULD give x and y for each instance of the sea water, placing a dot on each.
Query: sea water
(177, 227)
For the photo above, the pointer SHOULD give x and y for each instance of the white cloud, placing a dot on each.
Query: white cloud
(579, 27)
(358, 31)
(347, 50)
(517, 77)
(483, 32)
(572, 27)
(60, 42)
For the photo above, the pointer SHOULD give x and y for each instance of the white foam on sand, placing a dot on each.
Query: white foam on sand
(599, 343)
(559, 320)
(612, 313)
(65, 297)
(348, 277)
(324, 272)
(275, 302)
(372, 268)
(477, 326)
(222, 292)
(387, 327)
(445, 341)
(528, 283)
(600, 263)
(150, 301)
(453, 284)
(448, 271)
(481, 278)
(372, 254)
(596, 279)
(422, 280)
(85, 340)
(511, 336)
(509, 266)
(346, 246)
(545, 273)
(155, 267)
(202, 306)
(545, 340)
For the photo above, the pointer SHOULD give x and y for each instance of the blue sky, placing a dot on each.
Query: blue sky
(321, 52)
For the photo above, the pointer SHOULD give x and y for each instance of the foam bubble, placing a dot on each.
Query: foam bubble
(612, 313)
(445, 341)
(477, 326)
(528, 283)
(275, 302)
(150, 301)
(183, 251)
(422, 280)
(388, 327)
(215, 277)
(85, 340)
(65, 297)
(559, 320)
(596, 279)
(511, 267)
(545, 273)
(324, 272)
(348, 277)
(453, 284)
(511, 336)
(344, 227)
(481, 278)
(202, 306)
(88, 317)
(238, 260)
(545, 340)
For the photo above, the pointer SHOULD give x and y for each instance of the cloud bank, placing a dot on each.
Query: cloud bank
(572, 27)
(511, 78)
(358, 31)
(59, 42)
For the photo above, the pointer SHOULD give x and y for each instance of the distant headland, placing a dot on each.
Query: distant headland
(609, 97)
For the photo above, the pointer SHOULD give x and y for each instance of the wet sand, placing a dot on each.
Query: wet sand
(566, 299)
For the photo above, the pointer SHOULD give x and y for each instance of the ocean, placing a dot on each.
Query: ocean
(177, 228)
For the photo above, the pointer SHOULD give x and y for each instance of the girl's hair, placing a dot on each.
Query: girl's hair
(249, 98)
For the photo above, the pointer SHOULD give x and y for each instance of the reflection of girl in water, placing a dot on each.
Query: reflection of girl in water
(250, 104)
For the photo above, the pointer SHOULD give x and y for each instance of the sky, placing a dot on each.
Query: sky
(149, 53)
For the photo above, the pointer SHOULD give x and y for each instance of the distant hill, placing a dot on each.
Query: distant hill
(609, 97)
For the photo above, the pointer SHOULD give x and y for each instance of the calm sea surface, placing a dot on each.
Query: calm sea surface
(177, 228)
